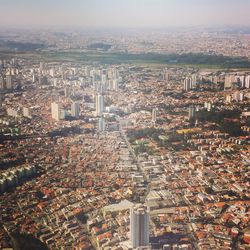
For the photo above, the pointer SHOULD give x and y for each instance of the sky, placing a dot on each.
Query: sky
(123, 13)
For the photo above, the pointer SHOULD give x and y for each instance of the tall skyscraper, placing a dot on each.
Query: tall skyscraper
(99, 104)
(190, 82)
(75, 109)
(139, 226)
(55, 111)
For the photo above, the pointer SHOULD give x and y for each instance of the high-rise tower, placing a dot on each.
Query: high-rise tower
(139, 226)
(99, 105)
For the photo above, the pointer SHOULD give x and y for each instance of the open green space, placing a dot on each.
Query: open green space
(191, 60)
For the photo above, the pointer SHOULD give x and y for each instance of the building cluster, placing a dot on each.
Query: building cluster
(124, 157)
(227, 42)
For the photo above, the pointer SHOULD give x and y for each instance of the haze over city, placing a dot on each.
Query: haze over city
(124, 124)
(120, 13)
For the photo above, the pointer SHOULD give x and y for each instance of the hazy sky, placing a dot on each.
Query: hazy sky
(123, 13)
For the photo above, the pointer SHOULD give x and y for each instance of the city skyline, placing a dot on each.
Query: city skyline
(124, 124)
(123, 14)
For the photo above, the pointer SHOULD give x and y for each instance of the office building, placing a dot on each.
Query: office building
(139, 226)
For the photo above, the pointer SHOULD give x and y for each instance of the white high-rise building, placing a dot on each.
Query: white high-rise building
(228, 99)
(115, 85)
(229, 80)
(2, 82)
(194, 81)
(247, 82)
(104, 79)
(26, 112)
(55, 82)
(139, 226)
(238, 96)
(187, 84)
(99, 104)
(154, 115)
(166, 75)
(33, 78)
(55, 111)
(75, 109)
(87, 70)
(190, 82)
(208, 106)
(41, 68)
(52, 72)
